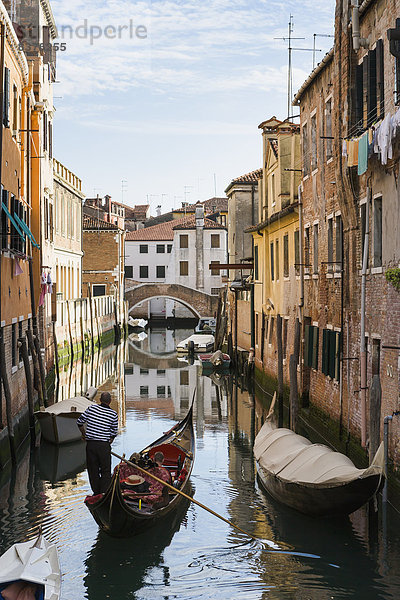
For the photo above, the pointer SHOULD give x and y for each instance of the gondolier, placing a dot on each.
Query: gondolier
(99, 426)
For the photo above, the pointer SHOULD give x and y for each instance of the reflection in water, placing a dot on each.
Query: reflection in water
(57, 463)
(203, 558)
(117, 568)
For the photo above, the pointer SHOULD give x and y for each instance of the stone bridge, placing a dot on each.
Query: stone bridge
(200, 304)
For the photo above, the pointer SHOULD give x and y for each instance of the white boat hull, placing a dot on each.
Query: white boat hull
(59, 429)
(35, 561)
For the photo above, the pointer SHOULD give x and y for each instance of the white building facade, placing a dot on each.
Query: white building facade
(179, 251)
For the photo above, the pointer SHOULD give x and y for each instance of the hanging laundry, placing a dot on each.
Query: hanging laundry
(383, 140)
(49, 284)
(344, 148)
(352, 153)
(17, 267)
(43, 287)
(363, 154)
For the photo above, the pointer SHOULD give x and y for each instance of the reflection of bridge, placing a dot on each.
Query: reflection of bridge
(148, 360)
(199, 303)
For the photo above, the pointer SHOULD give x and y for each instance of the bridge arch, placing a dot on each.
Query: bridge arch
(194, 312)
(198, 303)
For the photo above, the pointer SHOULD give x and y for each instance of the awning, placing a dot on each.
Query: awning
(11, 218)
(28, 232)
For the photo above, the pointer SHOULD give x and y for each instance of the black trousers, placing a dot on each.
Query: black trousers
(98, 462)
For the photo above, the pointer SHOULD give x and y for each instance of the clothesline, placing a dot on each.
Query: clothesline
(375, 140)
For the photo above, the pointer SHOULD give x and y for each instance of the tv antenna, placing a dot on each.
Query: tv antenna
(325, 35)
(289, 39)
(124, 188)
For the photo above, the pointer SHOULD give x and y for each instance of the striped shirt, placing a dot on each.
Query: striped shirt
(101, 422)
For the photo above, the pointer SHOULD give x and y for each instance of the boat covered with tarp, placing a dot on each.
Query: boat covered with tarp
(313, 478)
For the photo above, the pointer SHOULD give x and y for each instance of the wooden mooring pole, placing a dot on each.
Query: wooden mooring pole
(7, 395)
(280, 369)
(29, 387)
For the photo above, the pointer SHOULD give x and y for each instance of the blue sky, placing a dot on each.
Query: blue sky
(166, 112)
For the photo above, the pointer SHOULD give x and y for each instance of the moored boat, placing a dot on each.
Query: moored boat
(197, 342)
(58, 421)
(313, 478)
(33, 568)
(218, 362)
(124, 512)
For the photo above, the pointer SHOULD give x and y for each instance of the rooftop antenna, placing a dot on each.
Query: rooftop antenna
(215, 185)
(124, 188)
(290, 69)
(325, 35)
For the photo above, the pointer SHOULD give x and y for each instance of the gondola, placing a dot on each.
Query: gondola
(122, 515)
(30, 568)
(312, 478)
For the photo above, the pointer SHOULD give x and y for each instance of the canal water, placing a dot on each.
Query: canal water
(199, 556)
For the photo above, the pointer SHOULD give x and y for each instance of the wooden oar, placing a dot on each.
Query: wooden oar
(178, 491)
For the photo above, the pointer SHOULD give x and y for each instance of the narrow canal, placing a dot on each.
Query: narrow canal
(199, 556)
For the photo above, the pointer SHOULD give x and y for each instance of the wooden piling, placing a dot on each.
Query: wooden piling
(294, 394)
(70, 332)
(7, 395)
(280, 369)
(41, 369)
(36, 375)
(56, 361)
(375, 401)
(29, 387)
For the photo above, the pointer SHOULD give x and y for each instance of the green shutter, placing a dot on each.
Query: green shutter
(315, 347)
(337, 355)
(325, 351)
(307, 346)
(332, 353)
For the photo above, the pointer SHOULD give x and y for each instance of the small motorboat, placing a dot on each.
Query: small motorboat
(137, 323)
(216, 362)
(197, 342)
(58, 422)
(206, 324)
(125, 509)
(30, 570)
(313, 478)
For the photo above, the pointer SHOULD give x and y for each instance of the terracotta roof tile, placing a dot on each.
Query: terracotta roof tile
(190, 223)
(94, 223)
(165, 231)
(251, 177)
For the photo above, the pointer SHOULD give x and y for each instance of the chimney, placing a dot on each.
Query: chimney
(158, 210)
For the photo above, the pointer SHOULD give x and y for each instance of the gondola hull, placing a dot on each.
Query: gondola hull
(320, 502)
(313, 478)
(119, 517)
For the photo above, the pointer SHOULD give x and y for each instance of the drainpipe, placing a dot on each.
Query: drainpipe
(363, 350)
(386, 422)
(301, 237)
(358, 41)
(2, 52)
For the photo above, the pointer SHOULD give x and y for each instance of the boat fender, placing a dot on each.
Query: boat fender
(91, 393)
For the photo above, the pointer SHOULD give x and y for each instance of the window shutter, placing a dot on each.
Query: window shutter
(6, 101)
(380, 78)
(307, 346)
(397, 68)
(315, 347)
(372, 85)
(365, 64)
(332, 353)
(337, 355)
(325, 351)
(359, 97)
